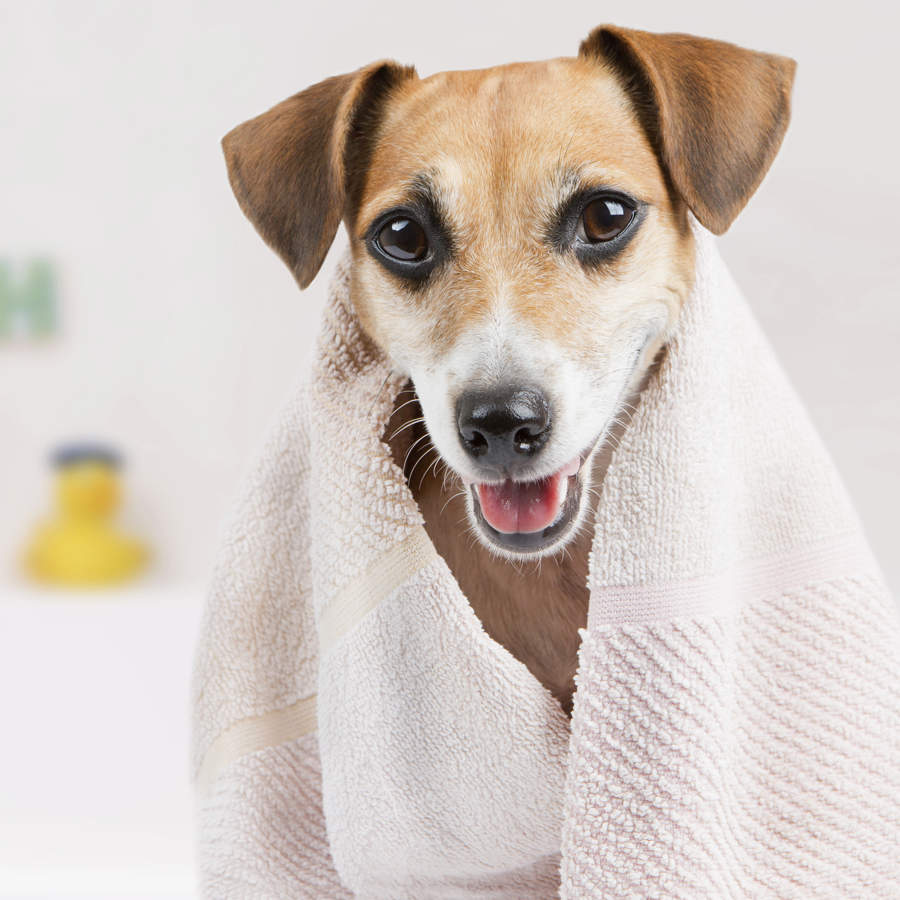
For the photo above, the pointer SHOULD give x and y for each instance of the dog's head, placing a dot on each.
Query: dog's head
(520, 237)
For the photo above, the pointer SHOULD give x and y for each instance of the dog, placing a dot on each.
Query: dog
(521, 249)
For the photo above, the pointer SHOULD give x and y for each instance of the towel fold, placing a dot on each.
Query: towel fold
(736, 725)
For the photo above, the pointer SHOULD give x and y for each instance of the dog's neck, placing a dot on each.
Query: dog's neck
(534, 608)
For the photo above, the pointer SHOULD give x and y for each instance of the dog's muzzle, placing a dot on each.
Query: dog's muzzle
(503, 432)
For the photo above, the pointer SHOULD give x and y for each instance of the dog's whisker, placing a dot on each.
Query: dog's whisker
(424, 476)
(411, 448)
(449, 475)
(433, 467)
(607, 375)
(422, 456)
(430, 468)
(378, 393)
(408, 424)
(450, 499)
(427, 448)
(405, 403)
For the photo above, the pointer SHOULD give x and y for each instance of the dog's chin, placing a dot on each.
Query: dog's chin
(549, 537)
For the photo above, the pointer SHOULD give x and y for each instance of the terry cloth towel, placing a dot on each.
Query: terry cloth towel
(736, 726)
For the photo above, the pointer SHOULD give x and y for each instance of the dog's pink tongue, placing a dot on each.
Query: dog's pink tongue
(522, 505)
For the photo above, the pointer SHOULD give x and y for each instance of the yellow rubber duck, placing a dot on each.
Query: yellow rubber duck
(81, 547)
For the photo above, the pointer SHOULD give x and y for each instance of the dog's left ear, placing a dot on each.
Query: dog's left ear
(716, 113)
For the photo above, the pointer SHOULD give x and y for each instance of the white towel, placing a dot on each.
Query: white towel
(736, 725)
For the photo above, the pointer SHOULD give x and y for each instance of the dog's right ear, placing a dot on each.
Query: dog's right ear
(296, 168)
(716, 113)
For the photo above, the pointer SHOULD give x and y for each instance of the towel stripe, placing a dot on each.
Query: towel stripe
(724, 593)
(383, 576)
(256, 733)
(338, 617)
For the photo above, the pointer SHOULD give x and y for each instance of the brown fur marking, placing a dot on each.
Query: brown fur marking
(287, 166)
(717, 113)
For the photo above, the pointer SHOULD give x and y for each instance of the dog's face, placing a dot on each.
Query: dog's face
(516, 251)
(520, 238)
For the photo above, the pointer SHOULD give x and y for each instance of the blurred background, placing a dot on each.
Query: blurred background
(143, 312)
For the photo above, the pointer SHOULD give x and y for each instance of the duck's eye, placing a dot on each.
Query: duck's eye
(404, 240)
(604, 218)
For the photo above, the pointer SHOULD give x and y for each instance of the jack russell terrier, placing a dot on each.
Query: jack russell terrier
(521, 249)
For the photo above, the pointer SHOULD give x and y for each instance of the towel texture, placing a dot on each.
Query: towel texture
(736, 726)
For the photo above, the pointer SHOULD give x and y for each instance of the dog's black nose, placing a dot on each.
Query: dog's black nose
(501, 428)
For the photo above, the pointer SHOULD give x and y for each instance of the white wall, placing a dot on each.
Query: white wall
(182, 332)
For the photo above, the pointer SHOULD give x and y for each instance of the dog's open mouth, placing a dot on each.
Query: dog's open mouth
(529, 516)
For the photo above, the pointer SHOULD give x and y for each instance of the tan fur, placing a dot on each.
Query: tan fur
(679, 123)
(500, 178)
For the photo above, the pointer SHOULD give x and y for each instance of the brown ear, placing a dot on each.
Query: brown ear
(296, 168)
(716, 113)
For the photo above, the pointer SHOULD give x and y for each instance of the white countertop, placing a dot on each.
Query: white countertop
(94, 792)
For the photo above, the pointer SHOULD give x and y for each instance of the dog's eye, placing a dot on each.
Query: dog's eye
(403, 239)
(604, 218)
